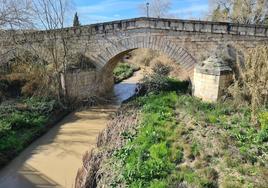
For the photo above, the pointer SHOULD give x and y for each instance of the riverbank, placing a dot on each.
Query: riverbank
(170, 140)
(24, 120)
(53, 159)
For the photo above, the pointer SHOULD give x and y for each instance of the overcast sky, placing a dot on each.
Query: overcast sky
(92, 11)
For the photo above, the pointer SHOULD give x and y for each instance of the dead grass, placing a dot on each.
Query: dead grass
(251, 80)
(96, 169)
(147, 59)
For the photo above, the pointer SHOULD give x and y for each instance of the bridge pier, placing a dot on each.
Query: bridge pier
(211, 79)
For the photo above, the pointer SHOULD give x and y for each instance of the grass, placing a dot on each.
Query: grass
(124, 71)
(21, 122)
(184, 141)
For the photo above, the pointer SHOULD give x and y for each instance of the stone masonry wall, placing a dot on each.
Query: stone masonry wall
(81, 84)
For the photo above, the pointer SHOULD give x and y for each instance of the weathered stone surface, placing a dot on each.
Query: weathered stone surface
(211, 77)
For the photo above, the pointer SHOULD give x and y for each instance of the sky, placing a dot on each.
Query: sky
(95, 11)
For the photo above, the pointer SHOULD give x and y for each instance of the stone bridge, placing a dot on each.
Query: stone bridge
(183, 41)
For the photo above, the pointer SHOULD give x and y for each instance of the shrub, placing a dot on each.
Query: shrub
(161, 69)
(42, 105)
(158, 81)
(32, 78)
(250, 85)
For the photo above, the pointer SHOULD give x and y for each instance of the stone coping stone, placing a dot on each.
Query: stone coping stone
(213, 66)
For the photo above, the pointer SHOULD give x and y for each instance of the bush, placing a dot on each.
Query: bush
(158, 81)
(161, 69)
(123, 71)
(42, 105)
(31, 78)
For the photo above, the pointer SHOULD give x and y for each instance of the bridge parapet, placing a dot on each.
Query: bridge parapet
(149, 23)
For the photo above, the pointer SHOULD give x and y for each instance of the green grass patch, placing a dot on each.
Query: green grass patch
(123, 71)
(21, 122)
(155, 155)
(152, 157)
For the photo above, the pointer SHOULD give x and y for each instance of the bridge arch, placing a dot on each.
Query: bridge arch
(112, 54)
(161, 44)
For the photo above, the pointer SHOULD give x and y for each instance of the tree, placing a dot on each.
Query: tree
(15, 14)
(239, 11)
(76, 22)
(47, 15)
(157, 8)
(219, 15)
(52, 14)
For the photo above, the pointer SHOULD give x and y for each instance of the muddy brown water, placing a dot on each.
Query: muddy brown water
(53, 159)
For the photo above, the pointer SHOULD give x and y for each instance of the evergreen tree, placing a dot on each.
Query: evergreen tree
(76, 22)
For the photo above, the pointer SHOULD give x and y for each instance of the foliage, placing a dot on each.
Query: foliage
(76, 21)
(149, 60)
(21, 122)
(161, 69)
(123, 71)
(263, 134)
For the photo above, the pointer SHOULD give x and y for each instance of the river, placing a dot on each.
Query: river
(53, 159)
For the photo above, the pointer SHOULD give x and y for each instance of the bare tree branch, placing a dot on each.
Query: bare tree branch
(239, 11)
(157, 8)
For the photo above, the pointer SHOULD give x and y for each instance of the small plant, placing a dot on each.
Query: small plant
(195, 149)
(263, 134)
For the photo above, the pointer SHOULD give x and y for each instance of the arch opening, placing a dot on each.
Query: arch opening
(146, 59)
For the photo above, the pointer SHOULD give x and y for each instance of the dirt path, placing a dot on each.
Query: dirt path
(53, 159)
